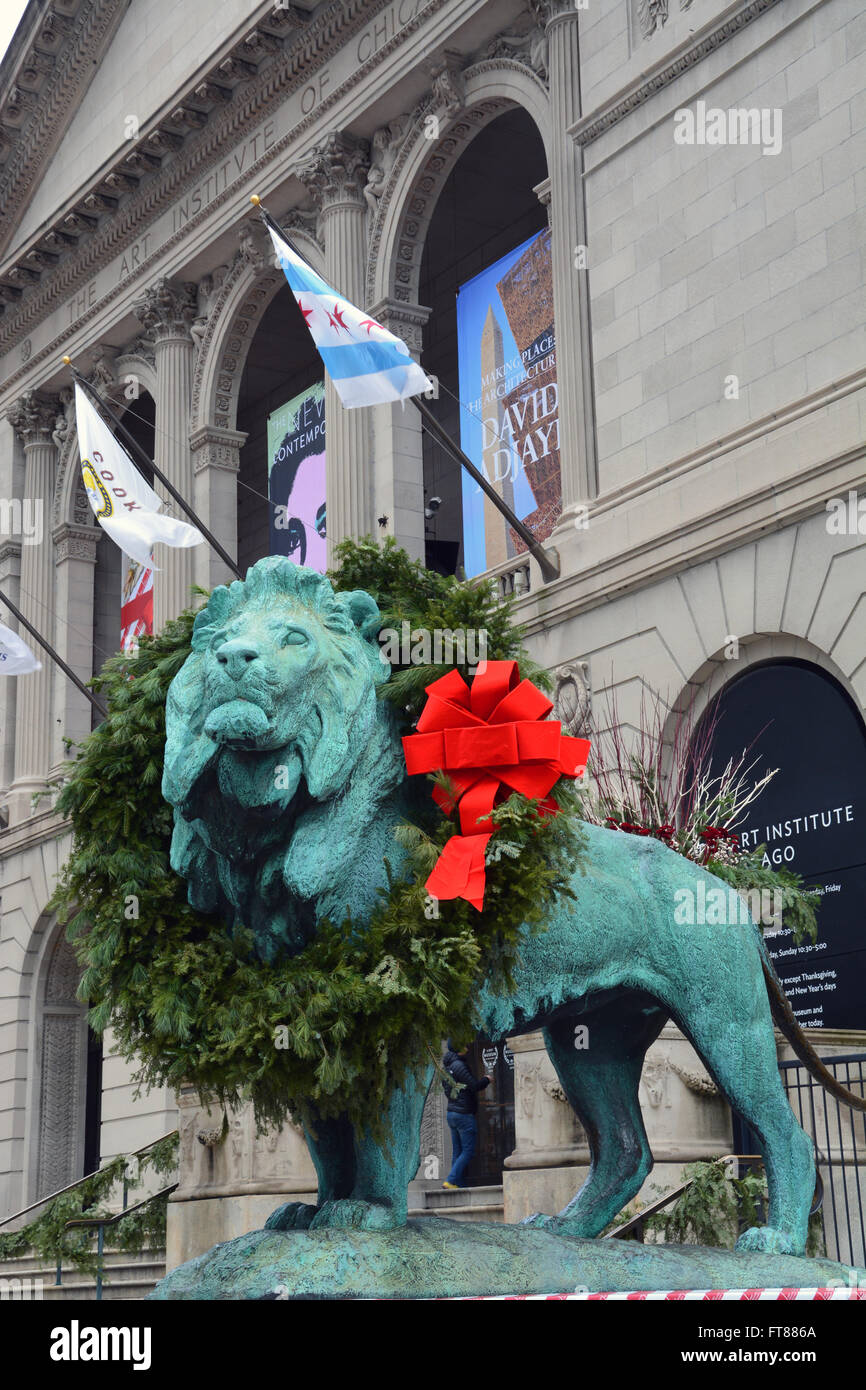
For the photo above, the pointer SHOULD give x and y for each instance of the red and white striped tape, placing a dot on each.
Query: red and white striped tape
(835, 1295)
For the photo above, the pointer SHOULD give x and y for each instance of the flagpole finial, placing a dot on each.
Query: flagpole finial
(255, 200)
(67, 361)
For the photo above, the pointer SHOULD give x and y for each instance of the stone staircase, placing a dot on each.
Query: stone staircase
(466, 1204)
(125, 1276)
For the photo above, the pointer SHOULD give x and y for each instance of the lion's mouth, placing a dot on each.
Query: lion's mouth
(238, 723)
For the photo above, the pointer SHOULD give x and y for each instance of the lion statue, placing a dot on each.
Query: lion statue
(287, 779)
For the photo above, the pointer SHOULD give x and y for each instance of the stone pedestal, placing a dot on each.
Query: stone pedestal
(685, 1116)
(230, 1183)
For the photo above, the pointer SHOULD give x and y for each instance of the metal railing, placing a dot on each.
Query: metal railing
(840, 1141)
(100, 1222)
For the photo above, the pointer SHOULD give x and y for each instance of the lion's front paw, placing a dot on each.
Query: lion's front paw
(291, 1216)
(768, 1238)
(356, 1215)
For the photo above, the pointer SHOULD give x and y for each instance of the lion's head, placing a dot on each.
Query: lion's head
(279, 755)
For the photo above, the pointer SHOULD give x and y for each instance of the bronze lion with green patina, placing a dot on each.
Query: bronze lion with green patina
(287, 779)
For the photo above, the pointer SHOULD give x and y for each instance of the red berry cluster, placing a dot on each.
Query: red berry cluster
(716, 835)
(660, 832)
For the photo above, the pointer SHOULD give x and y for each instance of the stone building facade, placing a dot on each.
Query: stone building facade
(710, 369)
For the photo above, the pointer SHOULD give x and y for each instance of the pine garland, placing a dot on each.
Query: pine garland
(333, 1029)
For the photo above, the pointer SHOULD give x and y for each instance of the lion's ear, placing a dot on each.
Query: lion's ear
(364, 612)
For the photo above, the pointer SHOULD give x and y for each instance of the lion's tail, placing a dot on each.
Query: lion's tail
(783, 1014)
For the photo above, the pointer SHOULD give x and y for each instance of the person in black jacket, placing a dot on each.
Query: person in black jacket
(462, 1111)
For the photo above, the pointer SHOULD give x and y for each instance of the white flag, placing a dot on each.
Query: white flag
(16, 658)
(123, 503)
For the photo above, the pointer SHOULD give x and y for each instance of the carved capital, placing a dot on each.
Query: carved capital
(406, 321)
(544, 11)
(76, 542)
(214, 447)
(336, 171)
(166, 309)
(34, 417)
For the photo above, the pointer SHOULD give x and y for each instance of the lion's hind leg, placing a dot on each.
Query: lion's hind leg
(741, 1056)
(601, 1083)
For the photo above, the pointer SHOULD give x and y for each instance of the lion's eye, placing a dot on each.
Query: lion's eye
(294, 637)
(217, 640)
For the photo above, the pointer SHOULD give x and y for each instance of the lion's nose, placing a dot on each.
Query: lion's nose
(237, 656)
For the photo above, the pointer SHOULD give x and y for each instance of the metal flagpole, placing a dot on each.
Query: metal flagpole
(136, 448)
(16, 613)
(549, 570)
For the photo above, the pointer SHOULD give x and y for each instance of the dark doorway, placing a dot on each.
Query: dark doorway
(93, 1103)
(496, 1139)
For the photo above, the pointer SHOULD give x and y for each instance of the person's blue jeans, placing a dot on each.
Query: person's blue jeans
(464, 1134)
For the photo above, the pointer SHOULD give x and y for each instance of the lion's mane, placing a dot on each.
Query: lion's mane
(280, 758)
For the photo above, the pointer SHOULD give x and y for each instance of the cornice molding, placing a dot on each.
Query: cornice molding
(83, 236)
(204, 150)
(55, 66)
(666, 70)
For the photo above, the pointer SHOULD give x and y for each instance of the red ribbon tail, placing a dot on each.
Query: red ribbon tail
(459, 870)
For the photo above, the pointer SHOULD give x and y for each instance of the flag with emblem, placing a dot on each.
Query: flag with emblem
(124, 504)
(367, 364)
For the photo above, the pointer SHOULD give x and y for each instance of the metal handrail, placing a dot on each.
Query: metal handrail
(102, 1221)
(70, 1187)
(636, 1222)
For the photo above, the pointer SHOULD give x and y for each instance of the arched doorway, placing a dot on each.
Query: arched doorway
(488, 208)
(280, 374)
(794, 716)
(68, 1110)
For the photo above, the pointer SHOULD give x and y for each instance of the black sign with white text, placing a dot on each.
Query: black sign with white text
(812, 820)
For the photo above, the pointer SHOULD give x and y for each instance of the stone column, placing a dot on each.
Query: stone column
(216, 460)
(568, 232)
(75, 551)
(34, 418)
(10, 583)
(398, 456)
(335, 177)
(167, 309)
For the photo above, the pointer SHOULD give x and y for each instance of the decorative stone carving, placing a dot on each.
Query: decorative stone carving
(449, 96)
(336, 171)
(528, 47)
(652, 15)
(76, 542)
(572, 700)
(698, 1081)
(34, 417)
(102, 374)
(303, 222)
(384, 147)
(208, 289)
(253, 244)
(167, 308)
(63, 418)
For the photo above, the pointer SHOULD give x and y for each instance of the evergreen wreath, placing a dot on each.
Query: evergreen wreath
(333, 1029)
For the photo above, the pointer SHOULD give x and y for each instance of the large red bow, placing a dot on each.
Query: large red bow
(492, 739)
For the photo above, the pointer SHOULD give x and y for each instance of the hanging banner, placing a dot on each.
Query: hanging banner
(509, 426)
(296, 478)
(16, 658)
(136, 603)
